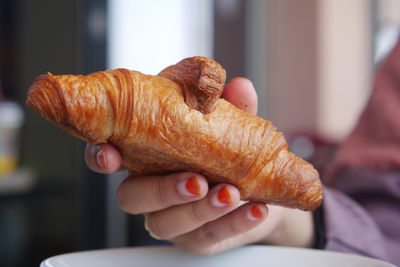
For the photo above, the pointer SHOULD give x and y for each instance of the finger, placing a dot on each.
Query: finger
(175, 221)
(147, 194)
(241, 93)
(103, 158)
(226, 232)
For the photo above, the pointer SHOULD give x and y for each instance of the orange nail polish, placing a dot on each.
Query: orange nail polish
(256, 212)
(224, 196)
(193, 186)
(102, 159)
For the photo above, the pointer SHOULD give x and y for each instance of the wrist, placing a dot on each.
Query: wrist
(295, 228)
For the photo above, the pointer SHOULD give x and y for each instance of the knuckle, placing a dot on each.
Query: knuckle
(195, 213)
(206, 233)
(161, 193)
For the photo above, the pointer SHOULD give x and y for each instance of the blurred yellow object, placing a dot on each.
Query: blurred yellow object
(11, 119)
(8, 164)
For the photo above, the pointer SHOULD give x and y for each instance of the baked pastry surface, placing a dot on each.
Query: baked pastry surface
(176, 121)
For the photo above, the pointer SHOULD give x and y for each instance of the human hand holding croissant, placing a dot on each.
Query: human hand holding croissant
(196, 222)
(177, 122)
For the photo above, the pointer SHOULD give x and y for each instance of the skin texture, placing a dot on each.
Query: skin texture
(214, 219)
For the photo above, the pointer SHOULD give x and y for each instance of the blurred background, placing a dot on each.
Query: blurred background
(311, 61)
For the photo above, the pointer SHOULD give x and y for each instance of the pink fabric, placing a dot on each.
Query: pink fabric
(361, 209)
(375, 141)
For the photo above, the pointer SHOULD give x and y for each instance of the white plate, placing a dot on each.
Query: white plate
(243, 257)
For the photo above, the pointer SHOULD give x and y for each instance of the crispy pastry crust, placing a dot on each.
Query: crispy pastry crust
(176, 121)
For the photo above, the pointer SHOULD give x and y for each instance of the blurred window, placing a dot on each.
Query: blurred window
(148, 35)
(387, 27)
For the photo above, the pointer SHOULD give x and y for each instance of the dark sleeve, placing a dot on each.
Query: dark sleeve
(361, 214)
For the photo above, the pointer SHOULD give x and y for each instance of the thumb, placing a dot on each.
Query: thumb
(241, 93)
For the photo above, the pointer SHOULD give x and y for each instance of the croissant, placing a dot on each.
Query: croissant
(177, 121)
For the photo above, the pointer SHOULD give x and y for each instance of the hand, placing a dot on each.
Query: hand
(182, 209)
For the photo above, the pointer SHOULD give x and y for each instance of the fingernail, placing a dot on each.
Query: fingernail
(153, 235)
(222, 198)
(190, 187)
(102, 159)
(255, 213)
(146, 226)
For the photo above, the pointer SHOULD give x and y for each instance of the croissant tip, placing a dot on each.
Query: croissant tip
(42, 97)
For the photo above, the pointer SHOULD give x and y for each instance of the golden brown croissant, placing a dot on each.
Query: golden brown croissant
(176, 121)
